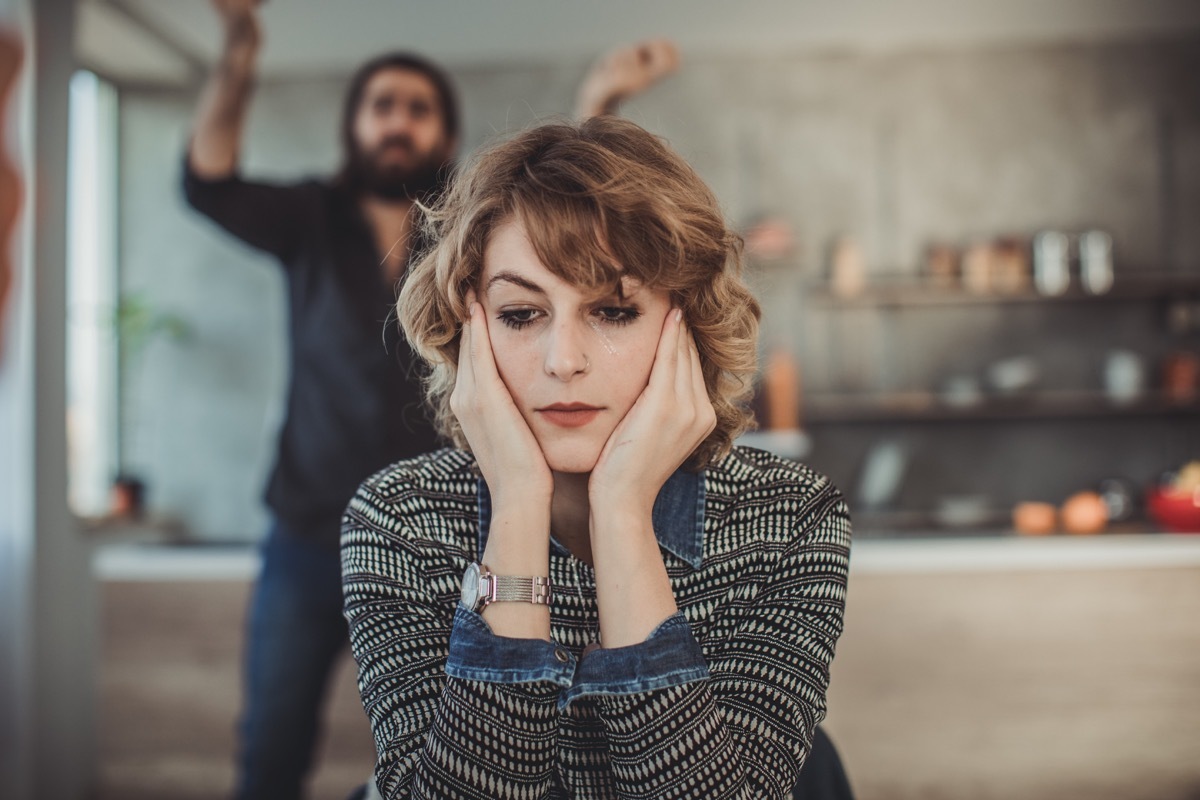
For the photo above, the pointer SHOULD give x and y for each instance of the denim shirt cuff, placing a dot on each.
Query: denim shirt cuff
(668, 657)
(476, 653)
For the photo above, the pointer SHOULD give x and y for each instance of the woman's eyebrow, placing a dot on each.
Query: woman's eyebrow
(514, 278)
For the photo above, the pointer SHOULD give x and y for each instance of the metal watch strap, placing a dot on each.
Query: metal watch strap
(512, 588)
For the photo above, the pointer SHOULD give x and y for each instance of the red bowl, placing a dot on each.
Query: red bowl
(1176, 511)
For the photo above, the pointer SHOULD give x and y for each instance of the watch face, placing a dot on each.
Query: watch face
(470, 586)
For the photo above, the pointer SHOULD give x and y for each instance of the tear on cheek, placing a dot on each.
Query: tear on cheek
(605, 341)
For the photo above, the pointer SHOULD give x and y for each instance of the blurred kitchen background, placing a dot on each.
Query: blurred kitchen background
(974, 230)
(898, 163)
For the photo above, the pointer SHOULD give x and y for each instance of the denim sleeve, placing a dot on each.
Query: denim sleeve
(476, 653)
(668, 657)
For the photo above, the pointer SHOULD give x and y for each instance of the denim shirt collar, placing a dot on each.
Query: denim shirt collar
(678, 517)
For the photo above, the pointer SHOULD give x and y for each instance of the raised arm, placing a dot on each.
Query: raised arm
(221, 114)
(269, 216)
(621, 73)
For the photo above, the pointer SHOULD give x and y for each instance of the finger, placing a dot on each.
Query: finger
(664, 56)
(483, 361)
(690, 383)
(672, 53)
(666, 357)
(706, 402)
(465, 367)
(699, 388)
(656, 57)
(683, 365)
(468, 330)
(464, 341)
(697, 370)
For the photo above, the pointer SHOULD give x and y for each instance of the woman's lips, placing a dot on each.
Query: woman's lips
(573, 415)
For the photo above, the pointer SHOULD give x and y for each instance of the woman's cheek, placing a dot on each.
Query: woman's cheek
(508, 365)
(635, 366)
(603, 339)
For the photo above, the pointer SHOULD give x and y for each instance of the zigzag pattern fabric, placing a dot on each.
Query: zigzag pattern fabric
(766, 608)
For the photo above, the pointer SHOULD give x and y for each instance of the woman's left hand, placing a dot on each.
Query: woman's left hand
(670, 419)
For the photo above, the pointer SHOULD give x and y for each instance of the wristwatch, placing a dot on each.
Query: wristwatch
(481, 587)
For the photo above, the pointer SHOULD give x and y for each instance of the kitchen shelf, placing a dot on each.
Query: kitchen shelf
(875, 359)
(908, 292)
(823, 409)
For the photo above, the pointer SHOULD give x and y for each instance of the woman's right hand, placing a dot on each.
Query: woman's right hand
(516, 474)
(507, 452)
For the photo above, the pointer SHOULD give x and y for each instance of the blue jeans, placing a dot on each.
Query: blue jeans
(294, 636)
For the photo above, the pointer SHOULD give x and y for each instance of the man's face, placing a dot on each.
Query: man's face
(400, 140)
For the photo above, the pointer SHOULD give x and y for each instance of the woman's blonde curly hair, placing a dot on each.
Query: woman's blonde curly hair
(599, 200)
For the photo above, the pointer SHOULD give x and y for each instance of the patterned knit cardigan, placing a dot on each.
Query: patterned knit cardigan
(765, 606)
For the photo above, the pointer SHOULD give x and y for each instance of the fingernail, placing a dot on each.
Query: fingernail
(678, 314)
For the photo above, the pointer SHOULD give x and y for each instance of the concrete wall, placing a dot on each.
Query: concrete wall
(895, 149)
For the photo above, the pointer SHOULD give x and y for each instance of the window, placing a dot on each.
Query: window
(92, 405)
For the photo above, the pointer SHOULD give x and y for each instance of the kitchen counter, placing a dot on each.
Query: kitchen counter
(1005, 551)
(932, 552)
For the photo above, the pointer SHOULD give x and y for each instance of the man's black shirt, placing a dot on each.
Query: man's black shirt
(354, 401)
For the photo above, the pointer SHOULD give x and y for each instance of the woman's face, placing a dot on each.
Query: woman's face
(573, 362)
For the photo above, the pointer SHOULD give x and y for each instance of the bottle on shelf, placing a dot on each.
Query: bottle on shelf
(1051, 263)
(1095, 261)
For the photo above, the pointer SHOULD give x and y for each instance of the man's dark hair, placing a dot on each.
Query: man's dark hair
(402, 61)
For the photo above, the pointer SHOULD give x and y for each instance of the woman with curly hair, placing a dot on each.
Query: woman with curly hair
(594, 594)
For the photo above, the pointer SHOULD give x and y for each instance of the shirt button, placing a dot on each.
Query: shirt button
(562, 655)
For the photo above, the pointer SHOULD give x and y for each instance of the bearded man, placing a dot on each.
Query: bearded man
(354, 403)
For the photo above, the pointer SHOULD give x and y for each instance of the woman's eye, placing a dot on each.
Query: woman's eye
(518, 318)
(618, 315)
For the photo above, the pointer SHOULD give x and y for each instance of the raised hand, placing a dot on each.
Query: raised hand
(624, 72)
(221, 112)
(670, 419)
(240, 21)
(507, 452)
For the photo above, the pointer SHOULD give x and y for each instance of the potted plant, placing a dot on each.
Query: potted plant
(138, 324)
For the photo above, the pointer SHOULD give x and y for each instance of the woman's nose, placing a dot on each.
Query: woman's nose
(566, 351)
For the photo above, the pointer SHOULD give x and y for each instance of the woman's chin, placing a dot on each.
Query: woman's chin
(572, 460)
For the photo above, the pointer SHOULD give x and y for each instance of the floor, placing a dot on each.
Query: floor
(979, 684)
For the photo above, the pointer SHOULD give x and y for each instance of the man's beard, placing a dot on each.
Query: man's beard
(364, 174)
